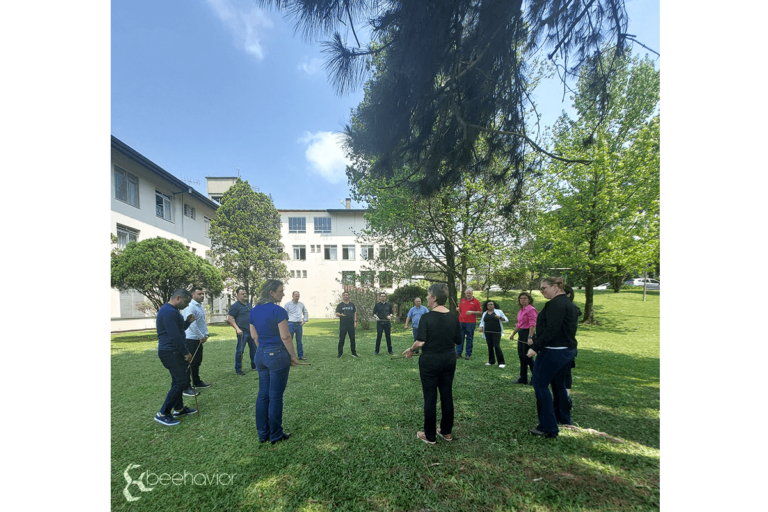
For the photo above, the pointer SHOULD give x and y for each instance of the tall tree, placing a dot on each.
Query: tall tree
(605, 215)
(156, 267)
(245, 238)
(451, 72)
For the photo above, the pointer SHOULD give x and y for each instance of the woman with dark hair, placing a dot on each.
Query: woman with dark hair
(555, 343)
(526, 324)
(274, 357)
(438, 335)
(492, 331)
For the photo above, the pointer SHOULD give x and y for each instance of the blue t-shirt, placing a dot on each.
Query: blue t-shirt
(415, 314)
(264, 318)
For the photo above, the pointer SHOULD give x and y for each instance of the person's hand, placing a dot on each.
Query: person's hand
(531, 352)
(239, 332)
(302, 323)
(481, 330)
(512, 337)
(294, 361)
(458, 310)
(188, 357)
(204, 339)
(191, 318)
(355, 325)
(408, 353)
(530, 342)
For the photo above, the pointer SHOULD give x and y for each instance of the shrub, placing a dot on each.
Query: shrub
(404, 296)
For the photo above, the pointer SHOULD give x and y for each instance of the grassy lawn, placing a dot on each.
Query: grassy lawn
(354, 424)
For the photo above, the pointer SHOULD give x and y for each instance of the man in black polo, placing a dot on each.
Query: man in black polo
(383, 314)
(238, 317)
(347, 313)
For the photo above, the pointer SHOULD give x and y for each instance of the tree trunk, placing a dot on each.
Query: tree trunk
(589, 293)
(450, 261)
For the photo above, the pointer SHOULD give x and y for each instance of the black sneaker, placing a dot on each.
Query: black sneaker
(202, 385)
(166, 420)
(284, 438)
(253, 367)
(539, 433)
(240, 372)
(467, 357)
(190, 392)
(520, 381)
(391, 353)
(353, 355)
(375, 353)
(340, 355)
(458, 356)
(186, 411)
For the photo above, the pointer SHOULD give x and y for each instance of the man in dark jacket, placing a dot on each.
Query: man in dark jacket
(383, 314)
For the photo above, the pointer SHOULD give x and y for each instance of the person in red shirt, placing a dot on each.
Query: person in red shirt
(469, 309)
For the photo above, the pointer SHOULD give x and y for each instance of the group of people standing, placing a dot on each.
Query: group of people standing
(440, 336)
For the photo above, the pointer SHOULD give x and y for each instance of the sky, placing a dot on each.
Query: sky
(221, 87)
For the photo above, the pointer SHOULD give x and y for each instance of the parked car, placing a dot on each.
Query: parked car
(604, 286)
(653, 284)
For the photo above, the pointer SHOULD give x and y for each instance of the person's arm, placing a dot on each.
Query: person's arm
(532, 329)
(407, 318)
(306, 314)
(285, 335)
(375, 308)
(339, 314)
(254, 335)
(482, 323)
(171, 326)
(502, 316)
(555, 317)
(355, 317)
(391, 313)
(193, 328)
(231, 321)
(421, 336)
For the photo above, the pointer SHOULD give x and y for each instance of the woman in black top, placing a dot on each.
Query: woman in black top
(438, 334)
(555, 344)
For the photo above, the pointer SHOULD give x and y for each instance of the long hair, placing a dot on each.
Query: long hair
(270, 286)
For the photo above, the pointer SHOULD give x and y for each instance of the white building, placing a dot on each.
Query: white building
(323, 254)
(148, 202)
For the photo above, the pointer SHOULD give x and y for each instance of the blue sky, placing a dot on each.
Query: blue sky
(207, 87)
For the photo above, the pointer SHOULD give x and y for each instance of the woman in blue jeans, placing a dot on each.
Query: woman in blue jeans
(555, 344)
(274, 357)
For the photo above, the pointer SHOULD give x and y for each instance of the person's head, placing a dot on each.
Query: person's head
(437, 295)
(468, 293)
(345, 296)
(241, 294)
(180, 298)
(489, 305)
(272, 291)
(198, 293)
(568, 289)
(382, 297)
(295, 296)
(524, 299)
(552, 286)
(417, 302)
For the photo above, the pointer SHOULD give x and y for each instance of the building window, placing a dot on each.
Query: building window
(385, 279)
(126, 187)
(366, 252)
(322, 225)
(348, 278)
(163, 206)
(297, 224)
(126, 235)
(189, 212)
(207, 222)
(330, 252)
(348, 252)
(298, 274)
(366, 278)
(305, 274)
(314, 248)
(299, 252)
(129, 300)
(385, 251)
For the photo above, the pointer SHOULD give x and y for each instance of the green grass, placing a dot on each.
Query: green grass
(354, 424)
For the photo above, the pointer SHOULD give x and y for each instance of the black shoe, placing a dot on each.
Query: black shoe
(539, 433)
(391, 353)
(202, 385)
(467, 357)
(458, 356)
(376, 353)
(340, 355)
(190, 392)
(240, 372)
(302, 359)
(284, 438)
(253, 367)
(184, 412)
(520, 381)
(355, 355)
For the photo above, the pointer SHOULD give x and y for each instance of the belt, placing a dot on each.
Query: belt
(292, 322)
(556, 348)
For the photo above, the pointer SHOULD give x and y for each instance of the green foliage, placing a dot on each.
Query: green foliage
(156, 267)
(245, 239)
(404, 296)
(364, 298)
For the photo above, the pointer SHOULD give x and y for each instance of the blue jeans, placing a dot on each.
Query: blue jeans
(415, 331)
(468, 332)
(551, 367)
(175, 363)
(296, 327)
(273, 365)
(242, 339)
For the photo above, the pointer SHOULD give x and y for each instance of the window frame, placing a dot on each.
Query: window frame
(366, 252)
(191, 209)
(128, 232)
(298, 229)
(346, 249)
(323, 220)
(164, 197)
(334, 250)
(300, 248)
(127, 176)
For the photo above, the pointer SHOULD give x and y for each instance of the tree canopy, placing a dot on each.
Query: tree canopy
(156, 267)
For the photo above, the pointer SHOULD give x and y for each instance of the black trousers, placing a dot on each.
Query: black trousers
(386, 328)
(192, 347)
(343, 330)
(494, 347)
(522, 350)
(436, 372)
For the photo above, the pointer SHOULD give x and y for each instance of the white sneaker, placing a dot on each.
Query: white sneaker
(502, 366)
(488, 364)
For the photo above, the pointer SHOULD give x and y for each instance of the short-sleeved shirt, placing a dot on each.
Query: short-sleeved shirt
(265, 319)
(349, 310)
(242, 314)
(440, 333)
(468, 305)
(416, 313)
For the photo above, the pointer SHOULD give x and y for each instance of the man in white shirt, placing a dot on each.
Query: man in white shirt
(196, 334)
(297, 317)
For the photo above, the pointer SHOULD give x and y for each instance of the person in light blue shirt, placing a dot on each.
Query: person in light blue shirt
(414, 315)
(196, 334)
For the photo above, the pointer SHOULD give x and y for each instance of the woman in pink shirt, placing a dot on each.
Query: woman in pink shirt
(526, 326)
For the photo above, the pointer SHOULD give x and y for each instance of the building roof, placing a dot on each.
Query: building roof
(144, 161)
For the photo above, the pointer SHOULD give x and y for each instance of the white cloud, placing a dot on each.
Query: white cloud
(246, 22)
(310, 67)
(325, 155)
